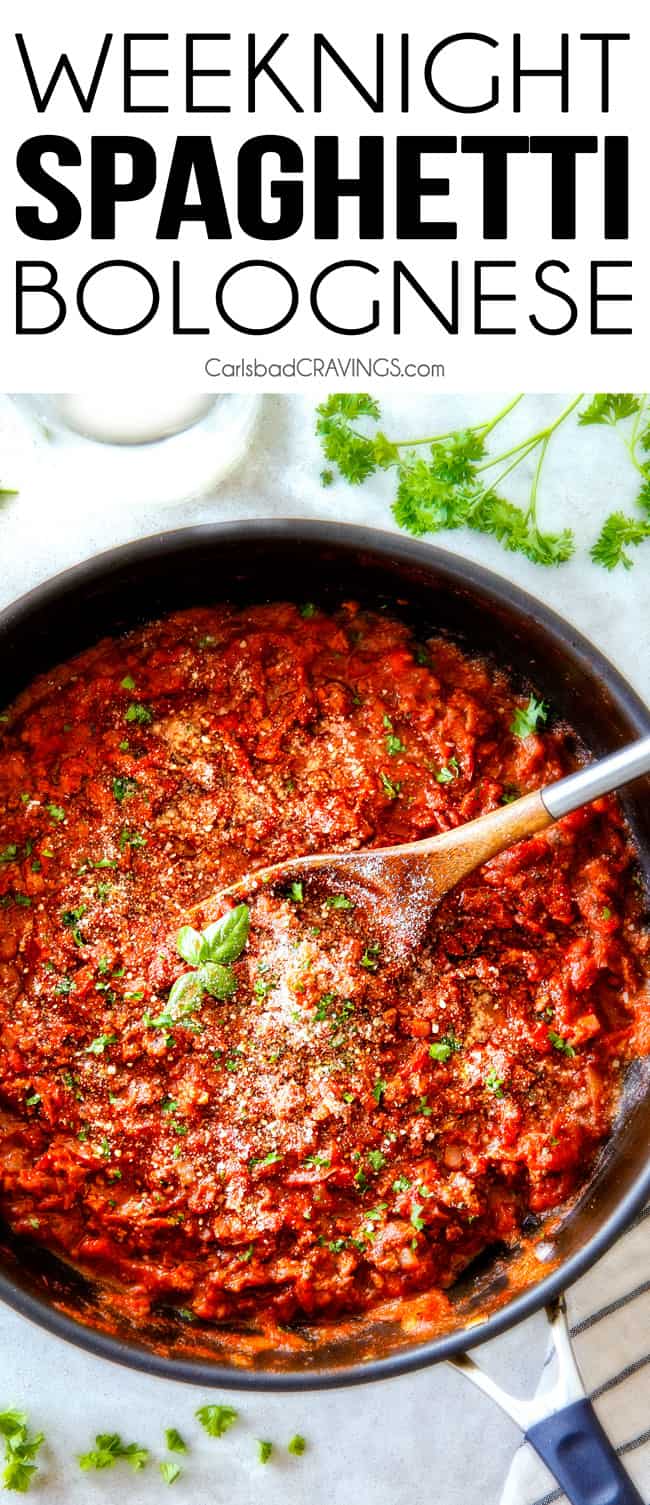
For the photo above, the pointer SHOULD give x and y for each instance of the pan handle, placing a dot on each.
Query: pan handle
(578, 1452)
(562, 1425)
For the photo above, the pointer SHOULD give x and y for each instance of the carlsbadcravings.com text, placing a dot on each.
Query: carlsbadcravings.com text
(274, 187)
(352, 368)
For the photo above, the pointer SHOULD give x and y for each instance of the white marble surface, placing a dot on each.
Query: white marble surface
(427, 1432)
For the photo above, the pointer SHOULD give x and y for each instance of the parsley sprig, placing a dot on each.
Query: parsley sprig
(450, 480)
(447, 481)
(619, 531)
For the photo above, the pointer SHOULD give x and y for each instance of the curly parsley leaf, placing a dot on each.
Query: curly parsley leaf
(441, 481)
(215, 1419)
(617, 535)
(610, 407)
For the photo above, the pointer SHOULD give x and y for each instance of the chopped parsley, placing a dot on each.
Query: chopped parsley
(308, 611)
(442, 1049)
(296, 1446)
(416, 1219)
(370, 958)
(296, 893)
(401, 1183)
(109, 1448)
(9, 853)
(131, 839)
(390, 789)
(140, 714)
(447, 774)
(339, 901)
(215, 1419)
(494, 1082)
(55, 813)
(124, 787)
(128, 683)
(264, 1450)
(559, 1043)
(394, 746)
(379, 1090)
(70, 918)
(319, 1162)
(526, 718)
(376, 1160)
(99, 1044)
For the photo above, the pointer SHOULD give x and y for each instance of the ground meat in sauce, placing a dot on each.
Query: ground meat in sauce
(336, 1133)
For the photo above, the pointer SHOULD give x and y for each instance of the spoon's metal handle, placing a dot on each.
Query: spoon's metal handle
(598, 778)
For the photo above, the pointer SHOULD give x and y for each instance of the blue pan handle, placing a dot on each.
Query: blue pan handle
(562, 1426)
(577, 1451)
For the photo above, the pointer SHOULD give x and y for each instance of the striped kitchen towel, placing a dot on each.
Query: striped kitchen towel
(609, 1314)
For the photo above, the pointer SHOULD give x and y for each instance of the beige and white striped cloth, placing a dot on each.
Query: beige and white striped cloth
(609, 1314)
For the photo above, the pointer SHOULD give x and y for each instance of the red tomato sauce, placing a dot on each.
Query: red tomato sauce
(336, 1132)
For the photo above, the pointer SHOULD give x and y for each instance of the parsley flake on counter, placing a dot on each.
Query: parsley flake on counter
(170, 1472)
(264, 1450)
(109, 1448)
(20, 1450)
(215, 1419)
(296, 1446)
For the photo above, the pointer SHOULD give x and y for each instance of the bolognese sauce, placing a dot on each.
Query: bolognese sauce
(294, 1122)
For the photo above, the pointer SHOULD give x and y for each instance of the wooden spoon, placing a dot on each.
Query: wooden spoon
(402, 884)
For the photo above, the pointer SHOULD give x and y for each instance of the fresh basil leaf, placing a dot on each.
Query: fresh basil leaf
(187, 990)
(191, 945)
(217, 980)
(225, 940)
